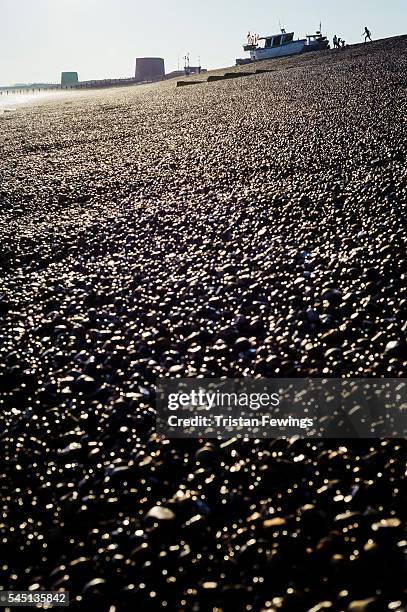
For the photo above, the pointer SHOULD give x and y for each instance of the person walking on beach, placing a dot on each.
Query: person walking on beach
(367, 34)
(335, 41)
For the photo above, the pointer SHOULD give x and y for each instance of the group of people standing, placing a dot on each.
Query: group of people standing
(252, 39)
(339, 42)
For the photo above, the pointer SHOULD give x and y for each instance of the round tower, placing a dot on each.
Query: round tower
(149, 68)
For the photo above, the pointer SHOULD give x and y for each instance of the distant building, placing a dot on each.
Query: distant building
(175, 74)
(149, 68)
(193, 70)
(69, 78)
(182, 73)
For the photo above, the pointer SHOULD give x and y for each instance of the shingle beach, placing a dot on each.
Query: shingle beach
(244, 227)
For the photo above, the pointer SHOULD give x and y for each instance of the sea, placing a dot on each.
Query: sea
(15, 100)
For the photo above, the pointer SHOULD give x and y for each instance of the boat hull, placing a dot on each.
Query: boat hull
(294, 48)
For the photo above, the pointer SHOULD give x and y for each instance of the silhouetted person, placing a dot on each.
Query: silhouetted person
(343, 43)
(335, 41)
(367, 34)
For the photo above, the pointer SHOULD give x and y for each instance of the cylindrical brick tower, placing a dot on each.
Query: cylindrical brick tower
(149, 68)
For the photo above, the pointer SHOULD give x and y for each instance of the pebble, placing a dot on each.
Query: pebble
(160, 513)
(364, 605)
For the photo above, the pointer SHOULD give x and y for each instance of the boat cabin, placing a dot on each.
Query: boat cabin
(271, 42)
(317, 42)
(277, 40)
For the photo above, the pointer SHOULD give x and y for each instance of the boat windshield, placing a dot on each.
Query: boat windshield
(277, 40)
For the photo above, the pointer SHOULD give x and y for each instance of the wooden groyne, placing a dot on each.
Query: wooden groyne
(225, 77)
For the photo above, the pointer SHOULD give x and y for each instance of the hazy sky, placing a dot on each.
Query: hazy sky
(102, 38)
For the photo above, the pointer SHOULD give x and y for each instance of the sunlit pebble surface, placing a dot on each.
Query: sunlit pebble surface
(246, 228)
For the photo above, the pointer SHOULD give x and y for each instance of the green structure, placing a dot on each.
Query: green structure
(69, 78)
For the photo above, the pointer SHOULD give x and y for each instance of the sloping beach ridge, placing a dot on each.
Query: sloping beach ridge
(251, 226)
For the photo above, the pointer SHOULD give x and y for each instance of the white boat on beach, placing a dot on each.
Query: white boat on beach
(281, 45)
